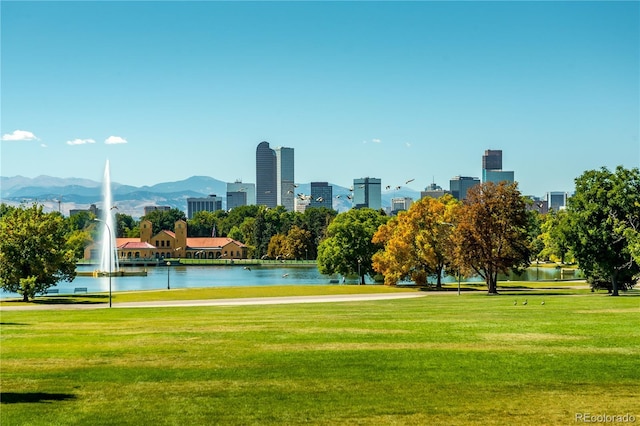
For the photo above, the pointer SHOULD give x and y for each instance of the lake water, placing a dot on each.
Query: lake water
(237, 276)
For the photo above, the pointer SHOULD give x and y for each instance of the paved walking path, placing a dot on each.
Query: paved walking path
(225, 302)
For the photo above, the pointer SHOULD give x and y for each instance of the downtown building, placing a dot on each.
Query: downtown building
(321, 195)
(557, 200)
(492, 168)
(200, 204)
(367, 193)
(285, 180)
(240, 194)
(266, 177)
(433, 191)
(459, 185)
(275, 176)
(399, 204)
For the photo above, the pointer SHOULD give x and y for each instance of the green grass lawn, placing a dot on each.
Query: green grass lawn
(439, 359)
(554, 287)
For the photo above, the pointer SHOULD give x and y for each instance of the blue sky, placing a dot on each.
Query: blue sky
(393, 90)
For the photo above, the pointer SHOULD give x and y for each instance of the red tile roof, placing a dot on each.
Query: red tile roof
(136, 245)
(210, 242)
(123, 241)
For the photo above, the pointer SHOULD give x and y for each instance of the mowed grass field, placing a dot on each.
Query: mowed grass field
(438, 359)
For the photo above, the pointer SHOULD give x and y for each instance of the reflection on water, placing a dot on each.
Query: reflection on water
(254, 275)
(196, 276)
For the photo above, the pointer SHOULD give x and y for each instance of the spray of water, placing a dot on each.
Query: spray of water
(108, 256)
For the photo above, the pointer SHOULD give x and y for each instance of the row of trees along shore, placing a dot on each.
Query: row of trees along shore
(491, 232)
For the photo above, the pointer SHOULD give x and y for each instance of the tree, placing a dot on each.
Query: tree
(164, 219)
(247, 228)
(417, 243)
(491, 236)
(236, 234)
(268, 223)
(202, 225)
(316, 220)
(632, 234)
(33, 252)
(554, 230)
(298, 243)
(5, 209)
(277, 246)
(80, 221)
(77, 241)
(348, 248)
(236, 217)
(126, 226)
(602, 211)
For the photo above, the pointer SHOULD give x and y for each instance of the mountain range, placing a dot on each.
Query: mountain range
(65, 194)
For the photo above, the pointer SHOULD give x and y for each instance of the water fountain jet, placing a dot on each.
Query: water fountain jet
(108, 251)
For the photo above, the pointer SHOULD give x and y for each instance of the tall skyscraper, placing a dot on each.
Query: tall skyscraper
(459, 185)
(321, 195)
(367, 192)
(492, 167)
(266, 176)
(285, 180)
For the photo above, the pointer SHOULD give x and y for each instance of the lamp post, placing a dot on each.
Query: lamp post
(110, 255)
(168, 269)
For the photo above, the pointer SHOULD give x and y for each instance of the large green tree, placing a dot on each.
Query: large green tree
(492, 234)
(602, 210)
(33, 251)
(348, 248)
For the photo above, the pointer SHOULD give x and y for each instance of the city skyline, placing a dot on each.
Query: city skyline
(400, 91)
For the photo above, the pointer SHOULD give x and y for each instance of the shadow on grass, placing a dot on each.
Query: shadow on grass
(30, 397)
(71, 300)
(534, 293)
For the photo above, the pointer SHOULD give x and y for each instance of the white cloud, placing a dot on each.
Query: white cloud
(80, 141)
(112, 140)
(43, 145)
(376, 141)
(407, 144)
(19, 135)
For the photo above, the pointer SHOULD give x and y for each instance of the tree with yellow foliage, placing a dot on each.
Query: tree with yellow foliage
(417, 243)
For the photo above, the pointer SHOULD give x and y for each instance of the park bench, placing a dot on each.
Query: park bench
(80, 290)
(52, 291)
